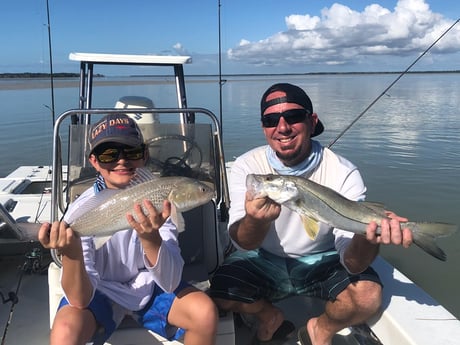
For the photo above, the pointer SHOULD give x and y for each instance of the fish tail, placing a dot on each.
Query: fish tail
(425, 235)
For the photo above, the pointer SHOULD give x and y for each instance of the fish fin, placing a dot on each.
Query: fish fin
(99, 241)
(425, 234)
(142, 175)
(177, 218)
(92, 203)
(311, 226)
(375, 206)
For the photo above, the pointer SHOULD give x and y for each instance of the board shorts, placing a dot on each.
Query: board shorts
(248, 276)
(154, 316)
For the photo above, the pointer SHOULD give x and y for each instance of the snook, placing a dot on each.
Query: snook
(317, 203)
(105, 213)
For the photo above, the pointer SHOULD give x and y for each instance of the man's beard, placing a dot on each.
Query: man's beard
(290, 159)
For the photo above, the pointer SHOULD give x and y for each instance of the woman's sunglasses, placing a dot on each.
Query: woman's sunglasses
(290, 116)
(112, 154)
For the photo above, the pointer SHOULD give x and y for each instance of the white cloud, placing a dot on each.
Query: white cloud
(300, 22)
(344, 36)
(179, 49)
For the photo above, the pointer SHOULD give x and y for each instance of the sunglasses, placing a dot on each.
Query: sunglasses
(290, 116)
(112, 154)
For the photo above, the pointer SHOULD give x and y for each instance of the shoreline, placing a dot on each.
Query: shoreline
(42, 82)
(29, 84)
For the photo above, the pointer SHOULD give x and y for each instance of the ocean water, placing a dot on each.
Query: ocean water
(406, 145)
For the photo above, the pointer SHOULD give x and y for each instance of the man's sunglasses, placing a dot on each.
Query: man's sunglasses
(112, 154)
(290, 116)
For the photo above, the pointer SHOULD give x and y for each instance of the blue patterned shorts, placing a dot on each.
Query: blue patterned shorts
(252, 275)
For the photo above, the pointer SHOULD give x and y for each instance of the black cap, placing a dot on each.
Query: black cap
(294, 94)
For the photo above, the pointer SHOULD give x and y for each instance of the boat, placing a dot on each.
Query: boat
(182, 141)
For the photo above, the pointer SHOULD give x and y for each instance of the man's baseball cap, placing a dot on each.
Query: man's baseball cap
(294, 94)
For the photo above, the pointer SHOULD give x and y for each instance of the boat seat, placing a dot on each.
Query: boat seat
(13, 186)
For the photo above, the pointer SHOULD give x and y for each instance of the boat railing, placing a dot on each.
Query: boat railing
(168, 140)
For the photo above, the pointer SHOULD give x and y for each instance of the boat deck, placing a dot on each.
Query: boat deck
(29, 320)
(406, 307)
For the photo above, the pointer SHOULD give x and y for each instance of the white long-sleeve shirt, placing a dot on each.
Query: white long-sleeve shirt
(119, 268)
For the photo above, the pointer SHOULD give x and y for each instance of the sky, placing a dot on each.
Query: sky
(256, 36)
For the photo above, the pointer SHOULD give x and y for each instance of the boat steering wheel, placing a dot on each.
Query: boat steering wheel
(181, 164)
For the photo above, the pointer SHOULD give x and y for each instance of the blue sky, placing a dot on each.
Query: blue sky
(258, 36)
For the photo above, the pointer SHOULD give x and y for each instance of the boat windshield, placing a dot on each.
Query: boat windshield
(174, 150)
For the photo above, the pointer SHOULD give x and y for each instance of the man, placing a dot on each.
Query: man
(275, 256)
(137, 271)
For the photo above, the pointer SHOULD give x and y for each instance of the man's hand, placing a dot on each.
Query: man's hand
(262, 209)
(391, 232)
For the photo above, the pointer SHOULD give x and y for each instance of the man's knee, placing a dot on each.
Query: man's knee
(367, 295)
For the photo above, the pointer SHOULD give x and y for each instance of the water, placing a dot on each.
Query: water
(406, 145)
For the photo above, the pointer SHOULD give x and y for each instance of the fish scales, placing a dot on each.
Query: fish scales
(106, 212)
(317, 203)
(334, 209)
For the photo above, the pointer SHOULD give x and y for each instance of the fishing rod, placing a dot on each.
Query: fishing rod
(391, 85)
(51, 60)
(221, 82)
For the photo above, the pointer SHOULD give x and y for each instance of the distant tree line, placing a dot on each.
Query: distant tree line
(77, 75)
(42, 75)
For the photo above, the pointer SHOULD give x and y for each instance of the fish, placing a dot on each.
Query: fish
(105, 213)
(317, 203)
